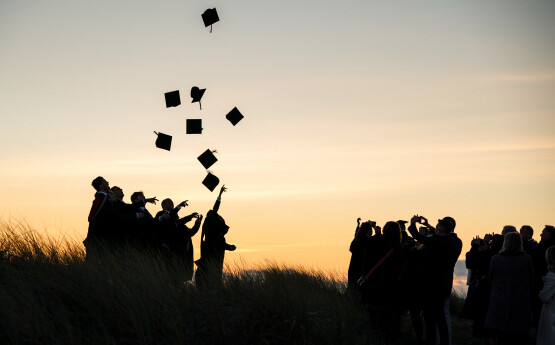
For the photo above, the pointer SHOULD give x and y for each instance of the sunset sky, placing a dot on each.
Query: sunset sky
(371, 109)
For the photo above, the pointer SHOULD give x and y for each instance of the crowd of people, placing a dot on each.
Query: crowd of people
(511, 285)
(115, 225)
(511, 280)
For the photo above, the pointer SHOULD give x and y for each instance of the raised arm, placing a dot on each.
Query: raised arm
(414, 232)
(219, 200)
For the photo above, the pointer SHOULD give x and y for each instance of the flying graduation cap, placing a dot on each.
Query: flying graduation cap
(163, 141)
(209, 17)
(211, 181)
(234, 116)
(207, 159)
(172, 99)
(196, 95)
(194, 126)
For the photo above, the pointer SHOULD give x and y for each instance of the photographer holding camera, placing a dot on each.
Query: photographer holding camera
(438, 276)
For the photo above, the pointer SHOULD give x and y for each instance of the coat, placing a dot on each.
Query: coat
(509, 305)
(439, 266)
(546, 327)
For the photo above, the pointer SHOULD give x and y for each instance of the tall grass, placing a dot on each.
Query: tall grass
(50, 295)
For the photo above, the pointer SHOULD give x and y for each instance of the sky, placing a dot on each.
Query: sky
(371, 109)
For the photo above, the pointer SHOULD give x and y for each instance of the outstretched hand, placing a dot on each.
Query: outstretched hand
(223, 189)
(184, 203)
(415, 219)
(151, 200)
(194, 215)
(358, 221)
(232, 248)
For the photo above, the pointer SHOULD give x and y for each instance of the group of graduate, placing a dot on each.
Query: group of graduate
(115, 225)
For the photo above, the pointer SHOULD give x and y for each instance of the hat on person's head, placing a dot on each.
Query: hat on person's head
(402, 221)
(446, 224)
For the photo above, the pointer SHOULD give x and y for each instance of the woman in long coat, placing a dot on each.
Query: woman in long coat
(510, 313)
(546, 327)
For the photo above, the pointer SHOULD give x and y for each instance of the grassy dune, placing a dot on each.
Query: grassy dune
(49, 295)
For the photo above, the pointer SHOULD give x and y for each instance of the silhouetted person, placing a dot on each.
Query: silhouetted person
(355, 265)
(438, 277)
(477, 299)
(528, 243)
(129, 215)
(213, 247)
(509, 313)
(144, 232)
(546, 327)
(101, 217)
(508, 229)
(496, 243)
(380, 284)
(175, 236)
(412, 285)
(540, 267)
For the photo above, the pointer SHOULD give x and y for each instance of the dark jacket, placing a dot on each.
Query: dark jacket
(101, 219)
(355, 265)
(529, 246)
(439, 266)
(382, 286)
(509, 305)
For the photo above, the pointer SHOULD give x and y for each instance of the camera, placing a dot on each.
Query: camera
(371, 223)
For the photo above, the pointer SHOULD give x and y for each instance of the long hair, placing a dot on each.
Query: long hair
(392, 234)
(550, 257)
(512, 244)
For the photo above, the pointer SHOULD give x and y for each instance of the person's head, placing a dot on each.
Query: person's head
(444, 227)
(550, 257)
(508, 229)
(167, 204)
(100, 184)
(366, 229)
(548, 234)
(452, 220)
(512, 244)
(526, 232)
(137, 196)
(392, 233)
(423, 230)
(117, 192)
(496, 243)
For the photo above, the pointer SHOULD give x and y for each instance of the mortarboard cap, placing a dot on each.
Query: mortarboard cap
(207, 159)
(172, 99)
(209, 17)
(196, 95)
(234, 116)
(163, 141)
(194, 126)
(211, 181)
